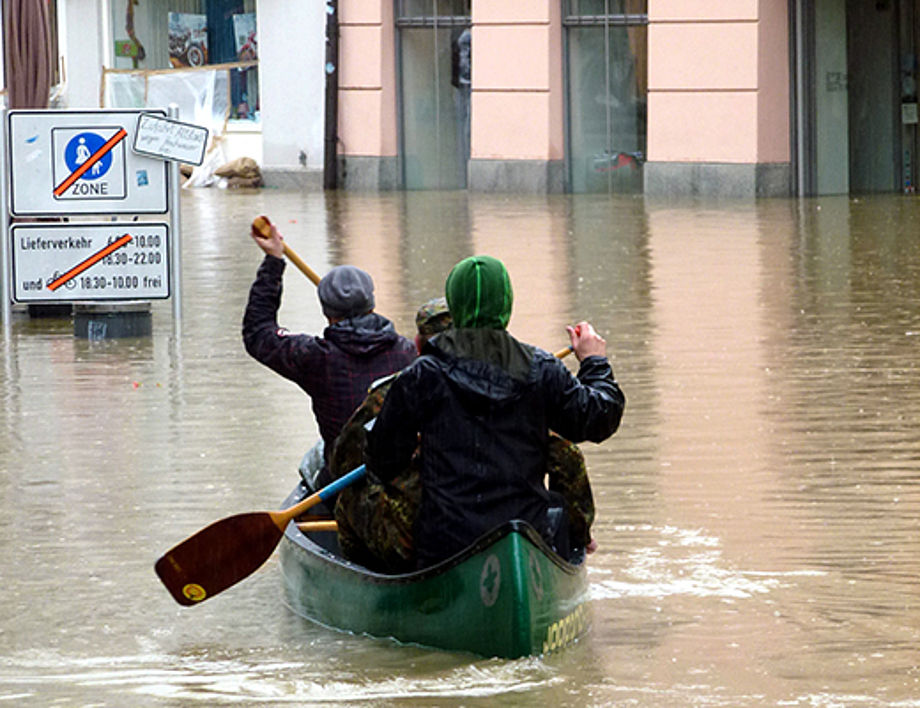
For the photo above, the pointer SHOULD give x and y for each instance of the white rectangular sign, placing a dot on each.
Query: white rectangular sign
(169, 139)
(80, 162)
(87, 262)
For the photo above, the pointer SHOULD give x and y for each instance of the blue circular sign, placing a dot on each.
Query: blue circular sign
(83, 146)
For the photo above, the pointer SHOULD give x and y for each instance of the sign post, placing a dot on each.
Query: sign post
(176, 260)
(6, 308)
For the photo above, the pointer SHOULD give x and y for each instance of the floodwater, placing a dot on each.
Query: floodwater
(758, 510)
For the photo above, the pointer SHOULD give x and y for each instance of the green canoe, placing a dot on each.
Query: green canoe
(508, 595)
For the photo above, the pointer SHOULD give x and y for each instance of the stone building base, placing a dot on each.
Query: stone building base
(662, 179)
(359, 173)
(281, 178)
(683, 179)
(517, 176)
(112, 320)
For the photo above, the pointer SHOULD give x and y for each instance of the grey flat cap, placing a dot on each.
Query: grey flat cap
(346, 291)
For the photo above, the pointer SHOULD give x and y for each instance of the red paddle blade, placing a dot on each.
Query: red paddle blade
(218, 556)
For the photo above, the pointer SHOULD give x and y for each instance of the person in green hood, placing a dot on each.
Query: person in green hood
(479, 294)
(478, 405)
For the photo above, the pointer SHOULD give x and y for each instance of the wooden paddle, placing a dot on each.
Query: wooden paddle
(264, 227)
(563, 353)
(310, 526)
(222, 554)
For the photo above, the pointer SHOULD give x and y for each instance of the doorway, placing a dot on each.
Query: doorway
(855, 94)
(606, 47)
(435, 53)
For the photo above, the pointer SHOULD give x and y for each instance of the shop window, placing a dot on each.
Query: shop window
(184, 35)
(606, 67)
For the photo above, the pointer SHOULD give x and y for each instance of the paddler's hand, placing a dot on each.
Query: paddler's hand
(267, 237)
(585, 341)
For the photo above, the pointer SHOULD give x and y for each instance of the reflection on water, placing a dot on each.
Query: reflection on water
(757, 510)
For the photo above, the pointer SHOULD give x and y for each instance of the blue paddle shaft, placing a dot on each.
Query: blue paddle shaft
(338, 485)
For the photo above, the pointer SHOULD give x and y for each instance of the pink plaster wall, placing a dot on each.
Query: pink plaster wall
(359, 128)
(512, 11)
(703, 56)
(718, 81)
(698, 126)
(517, 101)
(773, 130)
(702, 10)
(511, 58)
(354, 73)
(362, 11)
(512, 126)
(367, 78)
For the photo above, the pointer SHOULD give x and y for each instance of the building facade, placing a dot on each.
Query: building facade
(269, 92)
(712, 97)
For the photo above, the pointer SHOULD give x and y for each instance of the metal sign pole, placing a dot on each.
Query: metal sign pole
(6, 309)
(175, 230)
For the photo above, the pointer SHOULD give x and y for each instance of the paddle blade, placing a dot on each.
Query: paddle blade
(218, 556)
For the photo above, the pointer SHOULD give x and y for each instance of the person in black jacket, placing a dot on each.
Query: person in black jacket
(480, 402)
(336, 370)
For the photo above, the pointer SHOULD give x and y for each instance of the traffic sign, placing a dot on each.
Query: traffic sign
(87, 262)
(79, 162)
(89, 163)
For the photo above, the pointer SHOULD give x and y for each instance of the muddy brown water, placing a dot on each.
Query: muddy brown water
(758, 511)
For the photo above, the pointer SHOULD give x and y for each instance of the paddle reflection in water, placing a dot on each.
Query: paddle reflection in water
(756, 511)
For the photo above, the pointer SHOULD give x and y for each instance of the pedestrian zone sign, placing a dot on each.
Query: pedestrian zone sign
(80, 162)
(105, 177)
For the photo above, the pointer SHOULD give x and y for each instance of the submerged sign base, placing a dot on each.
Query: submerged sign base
(98, 322)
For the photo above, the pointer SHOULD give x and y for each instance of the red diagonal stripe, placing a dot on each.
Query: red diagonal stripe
(95, 258)
(92, 160)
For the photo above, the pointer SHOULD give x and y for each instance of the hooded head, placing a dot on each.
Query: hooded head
(479, 293)
(346, 291)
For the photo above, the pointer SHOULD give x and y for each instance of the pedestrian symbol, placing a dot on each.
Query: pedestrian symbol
(89, 163)
(83, 146)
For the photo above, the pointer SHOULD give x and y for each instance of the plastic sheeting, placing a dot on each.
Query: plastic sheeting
(202, 95)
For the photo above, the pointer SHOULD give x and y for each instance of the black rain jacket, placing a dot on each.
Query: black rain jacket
(482, 403)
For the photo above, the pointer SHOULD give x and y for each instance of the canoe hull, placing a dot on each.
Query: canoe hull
(508, 596)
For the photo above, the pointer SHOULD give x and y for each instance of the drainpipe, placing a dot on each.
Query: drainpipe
(330, 180)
